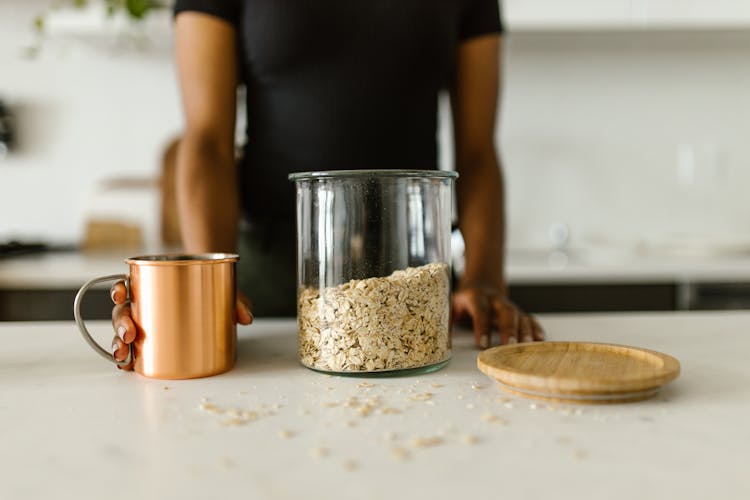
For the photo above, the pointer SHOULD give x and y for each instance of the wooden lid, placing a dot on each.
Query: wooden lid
(584, 372)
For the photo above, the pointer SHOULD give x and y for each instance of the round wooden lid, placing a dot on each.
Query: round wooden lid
(584, 372)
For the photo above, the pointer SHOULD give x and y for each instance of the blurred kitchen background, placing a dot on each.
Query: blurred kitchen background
(623, 132)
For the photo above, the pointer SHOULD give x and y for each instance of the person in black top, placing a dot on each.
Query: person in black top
(336, 85)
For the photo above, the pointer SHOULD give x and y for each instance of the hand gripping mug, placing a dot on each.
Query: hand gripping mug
(183, 307)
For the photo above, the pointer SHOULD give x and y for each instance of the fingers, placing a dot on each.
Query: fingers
(538, 331)
(244, 316)
(478, 307)
(527, 329)
(492, 312)
(507, 321)
(119, 292)
(120, 352)
(481, 307)
(122, 322)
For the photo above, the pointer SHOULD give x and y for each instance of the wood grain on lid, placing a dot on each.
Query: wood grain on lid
(578, 370)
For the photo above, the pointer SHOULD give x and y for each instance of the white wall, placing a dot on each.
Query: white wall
(87, 109)
(604, 130)
(594, 130)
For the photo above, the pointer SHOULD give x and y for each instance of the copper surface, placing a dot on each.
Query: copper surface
(183, 307)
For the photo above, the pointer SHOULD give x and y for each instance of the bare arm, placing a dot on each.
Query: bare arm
(482, 293)
(207, 198)
(480, 187)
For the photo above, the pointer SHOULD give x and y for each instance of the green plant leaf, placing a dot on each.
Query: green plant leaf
(137, 8)
(39, 23)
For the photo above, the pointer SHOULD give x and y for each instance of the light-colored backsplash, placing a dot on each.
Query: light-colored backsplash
(627, 135)
(618, 135)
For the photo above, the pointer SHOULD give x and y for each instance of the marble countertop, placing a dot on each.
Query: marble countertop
(75, 427)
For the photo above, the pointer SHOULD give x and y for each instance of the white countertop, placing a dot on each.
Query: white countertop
(525, 268)
(75, 427)
(70, 270)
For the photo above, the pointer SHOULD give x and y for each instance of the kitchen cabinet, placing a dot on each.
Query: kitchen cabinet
(575, 15)
(42, 286)
(273, 429)
(595, 297)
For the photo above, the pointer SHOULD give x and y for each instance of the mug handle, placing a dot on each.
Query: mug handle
(82, 327)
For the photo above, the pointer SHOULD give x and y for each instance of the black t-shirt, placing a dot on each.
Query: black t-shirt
(341, 84)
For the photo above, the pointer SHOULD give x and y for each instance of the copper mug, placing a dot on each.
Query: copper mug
(183, 307)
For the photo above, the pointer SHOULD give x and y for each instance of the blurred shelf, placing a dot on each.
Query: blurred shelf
(625, 15)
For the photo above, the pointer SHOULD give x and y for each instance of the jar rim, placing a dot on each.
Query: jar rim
(347, 174)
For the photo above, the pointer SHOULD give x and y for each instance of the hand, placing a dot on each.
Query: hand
(125, 331)
(491, 311)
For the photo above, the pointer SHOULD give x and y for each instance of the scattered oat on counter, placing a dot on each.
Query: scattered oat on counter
(469, 439)
(580, 454)
(319, 452)
(350, 465)
(210, 407)
(437, 386)
(389, 411)
(400, 454)
(286, 434)
(363, 408)
(493, 419)
(425, 442)
(166, 388)
(476, 386)
(232, 416)
(365, 385)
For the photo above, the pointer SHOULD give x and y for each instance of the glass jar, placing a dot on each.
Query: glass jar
(373, 270)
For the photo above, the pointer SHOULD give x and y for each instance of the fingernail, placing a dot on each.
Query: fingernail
(115, 348)
(512, 340)
(121, 331)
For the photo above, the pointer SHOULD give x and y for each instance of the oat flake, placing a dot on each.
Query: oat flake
(377, 324)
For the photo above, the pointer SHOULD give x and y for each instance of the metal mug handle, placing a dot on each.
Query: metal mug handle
(82, 327)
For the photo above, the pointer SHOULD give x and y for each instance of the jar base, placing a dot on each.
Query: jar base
(403, 372)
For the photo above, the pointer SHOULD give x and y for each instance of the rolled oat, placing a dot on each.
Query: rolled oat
(377, 324)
